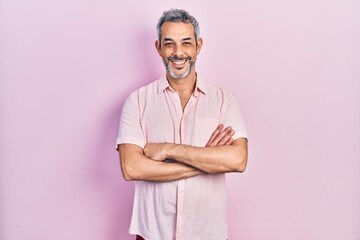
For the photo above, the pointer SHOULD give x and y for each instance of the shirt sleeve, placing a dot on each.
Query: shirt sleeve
(233, 117)
(130, 129)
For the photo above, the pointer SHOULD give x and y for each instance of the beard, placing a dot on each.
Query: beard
(173, 72)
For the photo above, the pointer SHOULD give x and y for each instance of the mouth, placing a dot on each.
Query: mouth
(178, 63)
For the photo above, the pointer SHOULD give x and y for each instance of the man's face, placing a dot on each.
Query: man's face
(178, 48)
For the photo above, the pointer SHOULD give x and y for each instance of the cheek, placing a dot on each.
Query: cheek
(193, 58)
(165, 53)
(194, 52)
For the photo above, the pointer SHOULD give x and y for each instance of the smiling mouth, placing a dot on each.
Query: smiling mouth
(178, 63)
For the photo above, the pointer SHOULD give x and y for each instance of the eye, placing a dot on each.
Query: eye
(187, 43)
(168, 44)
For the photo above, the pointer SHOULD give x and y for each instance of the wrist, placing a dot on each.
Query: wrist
(170, 150)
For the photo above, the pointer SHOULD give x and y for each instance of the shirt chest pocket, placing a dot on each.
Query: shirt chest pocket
(204, 127)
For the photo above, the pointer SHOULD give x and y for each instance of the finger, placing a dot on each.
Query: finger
(221, 136)
(226, 138)
(230, 141)
(214, 134)
(218, 137)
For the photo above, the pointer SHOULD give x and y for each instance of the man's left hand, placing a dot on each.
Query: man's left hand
(221, 136)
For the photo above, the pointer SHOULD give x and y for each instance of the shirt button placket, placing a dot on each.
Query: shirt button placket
(180, 189)
(180, 209)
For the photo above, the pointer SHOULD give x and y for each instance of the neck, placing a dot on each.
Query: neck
(184, 87)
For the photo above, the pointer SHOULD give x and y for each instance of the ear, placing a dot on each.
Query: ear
(199, 45)
(158, 47)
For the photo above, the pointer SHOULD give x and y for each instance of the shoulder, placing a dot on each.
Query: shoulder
(146, 90)
(215, 91)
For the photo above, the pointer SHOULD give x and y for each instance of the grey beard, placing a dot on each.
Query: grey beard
(178, 76)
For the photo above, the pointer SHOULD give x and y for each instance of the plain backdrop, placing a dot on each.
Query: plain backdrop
(66, 68)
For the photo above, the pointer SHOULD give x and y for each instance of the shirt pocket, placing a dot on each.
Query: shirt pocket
(204, 127)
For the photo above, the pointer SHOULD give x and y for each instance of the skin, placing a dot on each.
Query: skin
(178, 49)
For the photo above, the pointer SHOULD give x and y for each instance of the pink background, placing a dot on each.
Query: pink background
(67, 66)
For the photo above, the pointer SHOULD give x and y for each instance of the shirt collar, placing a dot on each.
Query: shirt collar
(164, 84)
(200, 87)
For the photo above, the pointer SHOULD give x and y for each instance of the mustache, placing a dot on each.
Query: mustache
(176, 58)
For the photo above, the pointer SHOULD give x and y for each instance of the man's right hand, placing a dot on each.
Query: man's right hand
(221, 136)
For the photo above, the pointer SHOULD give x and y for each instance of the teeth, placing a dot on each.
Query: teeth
(179, 62)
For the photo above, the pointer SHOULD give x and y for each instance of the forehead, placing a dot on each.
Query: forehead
(176, 30)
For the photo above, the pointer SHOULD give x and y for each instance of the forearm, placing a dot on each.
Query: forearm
(153, 171)
(135, 166)
(216, 159)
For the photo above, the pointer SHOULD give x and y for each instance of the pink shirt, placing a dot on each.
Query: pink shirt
(193, 208)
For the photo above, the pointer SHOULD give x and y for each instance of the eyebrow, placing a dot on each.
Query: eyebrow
(170, 39)
(186, 39)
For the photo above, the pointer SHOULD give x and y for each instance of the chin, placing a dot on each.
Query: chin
(182, 75)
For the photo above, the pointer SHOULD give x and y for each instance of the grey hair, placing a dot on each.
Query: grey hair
(178, 15)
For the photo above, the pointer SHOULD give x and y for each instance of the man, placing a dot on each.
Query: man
(173, 144)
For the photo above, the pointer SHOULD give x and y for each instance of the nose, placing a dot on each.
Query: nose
(178, 50)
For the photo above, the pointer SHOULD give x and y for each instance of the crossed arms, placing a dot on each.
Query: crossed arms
(221, 154)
